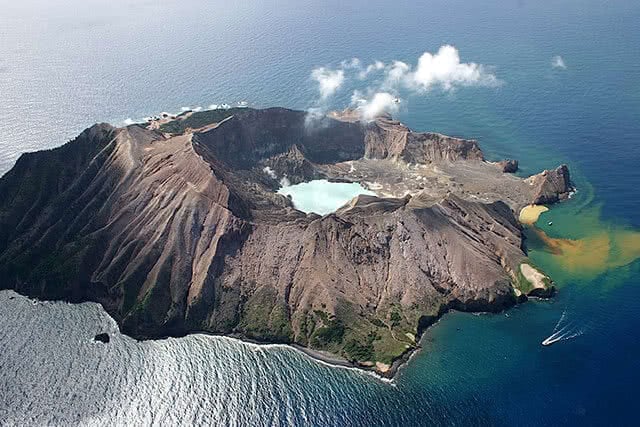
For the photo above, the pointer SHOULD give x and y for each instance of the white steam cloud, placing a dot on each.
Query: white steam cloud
(375, 105)
(270, 172)
(558, 62)
(351, 63)
(441, 70)
(445, 69)
(329, 81)
(376, 66)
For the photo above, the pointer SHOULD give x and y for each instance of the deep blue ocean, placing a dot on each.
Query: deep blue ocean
(65, 65)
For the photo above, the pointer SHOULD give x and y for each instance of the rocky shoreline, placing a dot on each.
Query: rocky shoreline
(179, 229)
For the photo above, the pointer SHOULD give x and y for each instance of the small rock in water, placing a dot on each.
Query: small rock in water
(103, 337)
(509, 165)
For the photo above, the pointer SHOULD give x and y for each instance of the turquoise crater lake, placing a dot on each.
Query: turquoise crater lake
(321, 196)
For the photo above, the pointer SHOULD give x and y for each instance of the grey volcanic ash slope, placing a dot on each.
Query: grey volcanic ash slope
(183, 232)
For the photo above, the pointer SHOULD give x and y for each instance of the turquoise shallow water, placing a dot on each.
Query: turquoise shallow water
(321, 196)
(63, 68)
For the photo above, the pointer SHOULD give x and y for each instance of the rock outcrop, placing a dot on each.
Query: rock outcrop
(102, 337)
(175, 233)
(551, 185)
(386, 138)
(508, 165)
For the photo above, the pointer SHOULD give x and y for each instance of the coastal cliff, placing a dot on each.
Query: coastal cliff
(177, 229)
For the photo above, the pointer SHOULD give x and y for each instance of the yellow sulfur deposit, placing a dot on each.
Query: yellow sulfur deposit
(530, 214)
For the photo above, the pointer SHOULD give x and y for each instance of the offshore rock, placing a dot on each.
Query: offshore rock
(508, 165)
(551, 185)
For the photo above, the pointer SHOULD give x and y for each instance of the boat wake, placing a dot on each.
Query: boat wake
(566, 332)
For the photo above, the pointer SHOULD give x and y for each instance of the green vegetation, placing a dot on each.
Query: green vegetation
(198, 120)
(59, 267)
(362, 351)
(377, 322)
(266, 318)
(388, 347)
(524, 285)
(395, 318)
(521, 282)
(331, 332)
(279, 322)
(357, 339)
